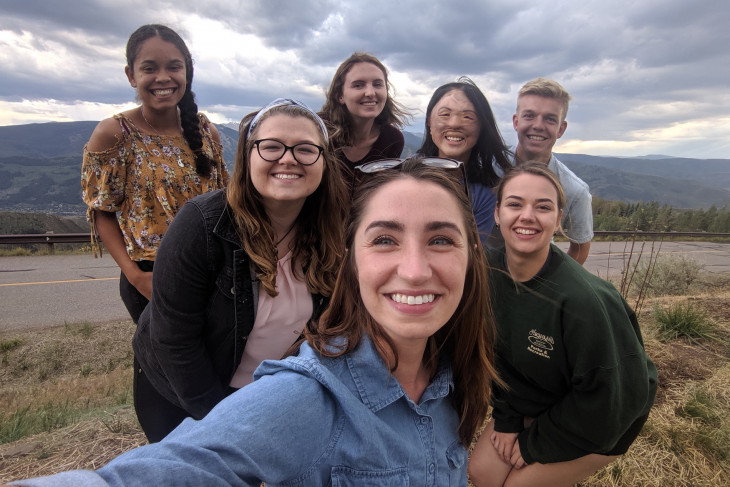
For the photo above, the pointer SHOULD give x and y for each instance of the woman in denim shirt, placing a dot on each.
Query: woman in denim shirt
(241, 271)
(390, 386)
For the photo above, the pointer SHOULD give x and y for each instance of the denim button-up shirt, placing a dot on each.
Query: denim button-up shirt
(307, 420)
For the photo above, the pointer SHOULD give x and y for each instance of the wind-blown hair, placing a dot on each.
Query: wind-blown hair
(188, 108)
(336, 115)
(467, 339)
(318, 242)
(489, 147)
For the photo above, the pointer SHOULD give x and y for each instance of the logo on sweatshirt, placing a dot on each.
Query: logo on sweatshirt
(540, 344)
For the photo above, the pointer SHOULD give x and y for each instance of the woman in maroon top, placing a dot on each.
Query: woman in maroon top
(362, 118)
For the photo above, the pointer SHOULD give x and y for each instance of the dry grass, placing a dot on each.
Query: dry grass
(682, 446)
(686, 441)
(67, 394)
(89, 444)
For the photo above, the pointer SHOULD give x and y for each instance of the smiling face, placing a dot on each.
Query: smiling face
(285, 180)
(454, 126)
(528, 216)
(364, 91)
(411, 259)
(158, 74)
(539, 124)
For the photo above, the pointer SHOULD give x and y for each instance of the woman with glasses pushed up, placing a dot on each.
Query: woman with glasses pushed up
(460, 125)
(242, 270)
(362, 117)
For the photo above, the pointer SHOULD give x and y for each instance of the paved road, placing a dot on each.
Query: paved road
(38, 292)
(607, 258)
(44, 291)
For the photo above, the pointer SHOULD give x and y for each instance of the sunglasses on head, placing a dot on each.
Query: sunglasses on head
(450, 165)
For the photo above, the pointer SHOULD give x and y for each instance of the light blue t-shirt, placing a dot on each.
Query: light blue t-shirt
(306, 421)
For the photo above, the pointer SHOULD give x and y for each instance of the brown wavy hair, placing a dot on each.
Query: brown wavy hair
(467, 339)
(318, 242)
(336, 115)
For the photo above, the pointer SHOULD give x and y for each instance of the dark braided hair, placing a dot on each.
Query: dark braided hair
(188, 108)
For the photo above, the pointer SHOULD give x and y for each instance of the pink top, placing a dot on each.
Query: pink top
(279, 321)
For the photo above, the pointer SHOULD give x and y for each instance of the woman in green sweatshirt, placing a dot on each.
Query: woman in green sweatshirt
(579, 383)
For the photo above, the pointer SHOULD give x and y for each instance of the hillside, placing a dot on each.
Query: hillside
(710, 172)
(40, 163)
(611, 184)
(14, 223)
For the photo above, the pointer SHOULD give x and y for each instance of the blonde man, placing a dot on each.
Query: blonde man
(542, 105)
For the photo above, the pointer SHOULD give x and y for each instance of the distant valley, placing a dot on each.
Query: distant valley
(40, 166)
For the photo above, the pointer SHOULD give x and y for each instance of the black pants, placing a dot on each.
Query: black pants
(155, 414)
(133, 299)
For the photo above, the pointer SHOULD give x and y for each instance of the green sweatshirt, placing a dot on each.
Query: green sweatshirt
(570, 349)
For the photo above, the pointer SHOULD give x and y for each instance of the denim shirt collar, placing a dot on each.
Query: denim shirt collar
(377, 386)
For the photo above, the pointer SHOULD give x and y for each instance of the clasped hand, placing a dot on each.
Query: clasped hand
(508, 448)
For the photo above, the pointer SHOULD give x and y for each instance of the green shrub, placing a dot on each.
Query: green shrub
(667, 275)
(703, 407)
(27, 421)
(7, 345)
(683, 320)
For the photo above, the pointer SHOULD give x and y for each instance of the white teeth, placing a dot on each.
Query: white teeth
(411, 300)
(454, 139)
(525, 231)
(286, 176)
(535, 137)
(163, 92)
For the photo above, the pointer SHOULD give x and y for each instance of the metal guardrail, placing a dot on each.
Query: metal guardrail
(32, 238)
(56, 238)
(45, 238)
(606, 233)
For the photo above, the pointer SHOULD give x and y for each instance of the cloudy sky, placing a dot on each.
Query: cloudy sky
(647, 77)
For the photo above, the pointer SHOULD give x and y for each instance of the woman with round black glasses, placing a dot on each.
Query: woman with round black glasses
(241, 271)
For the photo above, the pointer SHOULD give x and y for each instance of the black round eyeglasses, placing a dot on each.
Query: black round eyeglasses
(271, 150)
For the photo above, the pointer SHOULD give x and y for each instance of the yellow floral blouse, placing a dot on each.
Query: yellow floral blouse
(146, 179)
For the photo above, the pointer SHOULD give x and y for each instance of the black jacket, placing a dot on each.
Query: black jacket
(190, 338)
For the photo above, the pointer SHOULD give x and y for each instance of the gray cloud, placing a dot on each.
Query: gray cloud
(632, 67)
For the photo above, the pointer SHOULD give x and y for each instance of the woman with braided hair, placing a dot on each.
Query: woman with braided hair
(141, 165)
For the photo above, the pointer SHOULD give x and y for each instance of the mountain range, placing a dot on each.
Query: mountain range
(40, 164)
